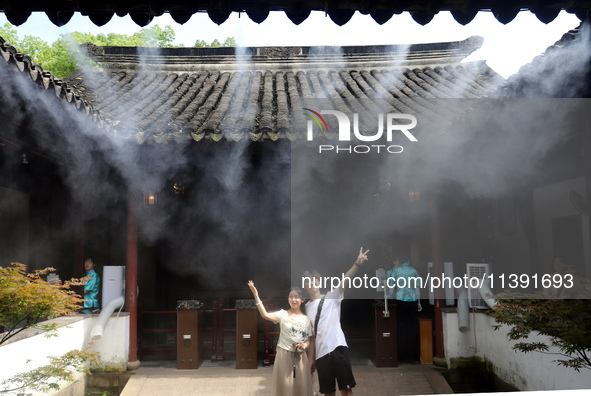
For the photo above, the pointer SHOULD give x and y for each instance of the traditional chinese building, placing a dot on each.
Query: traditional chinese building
(186, 166)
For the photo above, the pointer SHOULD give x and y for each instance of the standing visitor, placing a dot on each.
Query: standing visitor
(402, 280)
(91, 288)
(329, 353)
(291, 370)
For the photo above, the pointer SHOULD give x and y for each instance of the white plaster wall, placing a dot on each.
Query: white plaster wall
(528, 372)
(114, 345)
(33, 349)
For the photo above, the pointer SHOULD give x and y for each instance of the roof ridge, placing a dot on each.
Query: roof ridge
(474, 42)
(118, 57)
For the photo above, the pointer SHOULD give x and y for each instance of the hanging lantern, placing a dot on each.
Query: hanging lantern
(178, 188)
(414, 196)
(152, 198)
(383, 189)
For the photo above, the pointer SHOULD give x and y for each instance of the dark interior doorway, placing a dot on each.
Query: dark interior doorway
(567, 241)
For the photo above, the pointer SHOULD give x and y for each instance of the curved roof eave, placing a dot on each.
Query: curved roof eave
(340, 12)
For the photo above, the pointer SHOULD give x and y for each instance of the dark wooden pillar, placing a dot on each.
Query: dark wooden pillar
(131, 277)
(79, 242)
(437, 272)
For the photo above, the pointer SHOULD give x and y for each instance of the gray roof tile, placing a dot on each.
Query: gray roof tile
(191, 94)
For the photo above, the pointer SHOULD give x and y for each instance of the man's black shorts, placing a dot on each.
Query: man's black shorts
(335, 366)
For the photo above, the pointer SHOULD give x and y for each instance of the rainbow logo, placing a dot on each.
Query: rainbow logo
(320, 118)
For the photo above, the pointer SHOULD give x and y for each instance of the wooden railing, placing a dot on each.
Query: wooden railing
(158, 332)
(220, 332)
(148, 340)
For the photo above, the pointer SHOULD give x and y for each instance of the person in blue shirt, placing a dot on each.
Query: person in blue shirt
(91, 287)
(402, 280)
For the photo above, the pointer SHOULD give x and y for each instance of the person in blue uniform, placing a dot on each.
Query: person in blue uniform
(91, 287)
(402, 280)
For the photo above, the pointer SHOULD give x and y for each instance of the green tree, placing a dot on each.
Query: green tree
(566, 322)
(30, 45)
(154, 36)
(26, 299)
(9, 34)
(229, 42)
(157, 37)
(62, 57)
(47, 378)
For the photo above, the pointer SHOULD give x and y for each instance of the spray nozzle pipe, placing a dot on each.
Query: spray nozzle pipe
(386, 312)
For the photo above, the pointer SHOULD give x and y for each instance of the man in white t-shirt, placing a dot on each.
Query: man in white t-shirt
(328, 353)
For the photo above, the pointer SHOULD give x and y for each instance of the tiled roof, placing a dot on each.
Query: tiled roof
(264, 97)
(12, 61)
(562, 71)
(422, 11)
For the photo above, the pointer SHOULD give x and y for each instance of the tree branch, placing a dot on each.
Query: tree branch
(11, 333)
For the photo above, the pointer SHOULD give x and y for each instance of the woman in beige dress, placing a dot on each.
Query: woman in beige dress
(291, 370)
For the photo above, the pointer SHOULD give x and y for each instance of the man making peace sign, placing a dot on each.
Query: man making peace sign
(329, 353)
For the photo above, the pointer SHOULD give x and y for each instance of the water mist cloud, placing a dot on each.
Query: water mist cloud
(485, 149)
